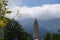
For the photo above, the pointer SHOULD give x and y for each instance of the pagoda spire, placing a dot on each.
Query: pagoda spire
(35, 29)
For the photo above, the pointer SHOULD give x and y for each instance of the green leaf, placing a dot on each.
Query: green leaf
(8, 12)
(2, 24)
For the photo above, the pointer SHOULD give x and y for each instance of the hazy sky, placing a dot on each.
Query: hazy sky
(40, 9)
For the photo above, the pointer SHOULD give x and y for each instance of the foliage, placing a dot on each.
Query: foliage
(3, 7)
(59, 30)
(3, 22)
(3, 10)
(53, 36)
(47, 36)
(13, 30)
(10, 28)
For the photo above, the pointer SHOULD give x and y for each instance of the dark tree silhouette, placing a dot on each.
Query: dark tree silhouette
(52, 36)
(14, 31)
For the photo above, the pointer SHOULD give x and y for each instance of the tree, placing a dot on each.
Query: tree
(52, 36)
(10, 28)
(3, 7)
(3, 21)
(59, 31)
(14, 31)
(47, 36)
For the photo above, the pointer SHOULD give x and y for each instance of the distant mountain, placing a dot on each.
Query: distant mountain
(44, 26)
(51, 25)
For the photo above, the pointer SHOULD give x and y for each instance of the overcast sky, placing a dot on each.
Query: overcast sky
(40, 9)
